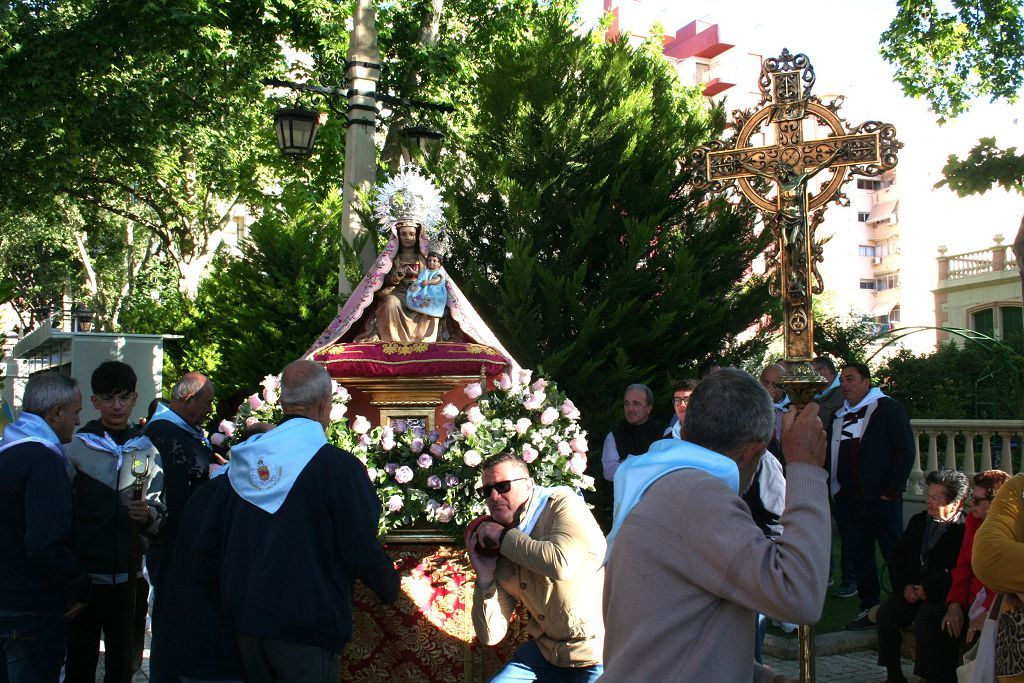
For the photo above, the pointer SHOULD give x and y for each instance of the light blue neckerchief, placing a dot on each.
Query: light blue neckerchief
(677, 430)
(105, 444)
(265, 467)
(537, 503)
(872, 396)
(830, 387)
(638, 472)
(781, 405)
(164, 412)
(31, 428)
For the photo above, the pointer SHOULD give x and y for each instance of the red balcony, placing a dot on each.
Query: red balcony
(691, 42)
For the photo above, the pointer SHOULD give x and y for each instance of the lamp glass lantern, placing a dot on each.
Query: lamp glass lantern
(422, 137)
(296, 130)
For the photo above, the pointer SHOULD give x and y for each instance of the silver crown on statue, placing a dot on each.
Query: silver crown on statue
(410, 197)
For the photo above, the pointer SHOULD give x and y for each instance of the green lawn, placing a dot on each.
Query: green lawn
(838, 612)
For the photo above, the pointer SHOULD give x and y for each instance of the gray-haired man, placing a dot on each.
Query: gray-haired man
(41, 583)
(687, 566)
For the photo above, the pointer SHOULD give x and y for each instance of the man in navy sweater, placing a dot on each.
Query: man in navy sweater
(41, 582)
(287, 540)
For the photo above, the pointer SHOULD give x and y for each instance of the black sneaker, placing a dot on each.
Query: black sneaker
(861, 623)
(846, 590)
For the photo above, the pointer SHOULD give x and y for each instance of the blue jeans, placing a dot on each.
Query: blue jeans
(528, 664)
(32, 645)
(862, 524)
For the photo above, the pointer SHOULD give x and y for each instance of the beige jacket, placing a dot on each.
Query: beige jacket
(556, 573)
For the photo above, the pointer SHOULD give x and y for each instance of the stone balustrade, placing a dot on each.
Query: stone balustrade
(960, 266)
(969, 445)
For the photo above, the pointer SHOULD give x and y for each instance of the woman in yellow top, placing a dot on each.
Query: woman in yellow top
(998, 557)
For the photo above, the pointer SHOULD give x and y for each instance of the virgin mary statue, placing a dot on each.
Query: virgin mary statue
(410, 212)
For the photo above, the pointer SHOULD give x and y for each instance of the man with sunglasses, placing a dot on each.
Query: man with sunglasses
(542, 547)
(105, 457)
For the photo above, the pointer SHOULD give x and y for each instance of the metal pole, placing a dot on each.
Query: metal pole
(362, 71)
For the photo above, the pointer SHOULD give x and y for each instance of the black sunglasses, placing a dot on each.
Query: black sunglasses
(499, 486)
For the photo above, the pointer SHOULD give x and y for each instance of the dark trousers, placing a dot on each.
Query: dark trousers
(861, 524)
(936, 653)
(107, 613)
(31, 646)
(278, 661)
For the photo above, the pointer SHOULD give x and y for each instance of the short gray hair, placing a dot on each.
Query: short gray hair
(729, 410)
(305, 383)
(47, 391)
(643, 388)
(190, 384)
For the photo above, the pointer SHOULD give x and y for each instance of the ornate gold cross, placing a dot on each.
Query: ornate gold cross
(789, 163)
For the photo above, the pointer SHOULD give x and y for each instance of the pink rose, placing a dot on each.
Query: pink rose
(578, 463)
(434, 482)
(399, 426)
(563, 449)
(255, 402)
(473, 390)
(218, 439)
(540, 385)
(530, 453)
(270, 396)
(504, 382)
(394, 503)
(525, 376)
(391, 467)
(271, 382)
(451, 480)
(387, 443)
(445, 513)
(226, 427)
(437, 449)
(472, 458)
(450, 411)
(570, 410)
(417, 445)
(523, 425)
(364, 441)
(251, 420)
(424, 461)
(341, 393)
(532, 402)
(361, 425)
(475, 416)
(338, 412)
(468, 429)
(403, 475)
(579, 444)
(448, 427)
(431, 506)
(548, 416)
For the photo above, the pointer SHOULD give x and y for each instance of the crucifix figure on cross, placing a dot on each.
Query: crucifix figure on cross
(789, 161)
(789, 208)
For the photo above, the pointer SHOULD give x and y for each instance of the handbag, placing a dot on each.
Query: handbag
(980, 661)
(1010, 643)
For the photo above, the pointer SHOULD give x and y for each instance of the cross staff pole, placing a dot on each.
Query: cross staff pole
(790, 210)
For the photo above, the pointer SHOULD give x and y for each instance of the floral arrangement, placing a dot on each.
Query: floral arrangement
(421, 475)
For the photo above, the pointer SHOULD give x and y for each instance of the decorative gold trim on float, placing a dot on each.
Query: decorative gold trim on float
(418, 536)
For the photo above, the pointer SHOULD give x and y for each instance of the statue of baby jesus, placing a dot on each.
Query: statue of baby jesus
(428, 295)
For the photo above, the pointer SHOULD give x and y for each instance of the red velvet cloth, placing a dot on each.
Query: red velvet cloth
(427, 634)
(410, 359)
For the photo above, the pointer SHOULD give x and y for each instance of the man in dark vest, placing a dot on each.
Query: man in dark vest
(636, 436)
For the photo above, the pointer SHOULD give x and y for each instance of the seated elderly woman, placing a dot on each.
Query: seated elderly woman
(920, 571)
(969, 599)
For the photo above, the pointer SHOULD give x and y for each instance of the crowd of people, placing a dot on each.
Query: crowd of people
(718, 525)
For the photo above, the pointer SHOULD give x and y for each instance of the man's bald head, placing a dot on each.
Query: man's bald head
(192, 397)
(770, 377)
(305, 383)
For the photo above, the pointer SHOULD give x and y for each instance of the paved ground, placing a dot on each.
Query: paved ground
(852, 666)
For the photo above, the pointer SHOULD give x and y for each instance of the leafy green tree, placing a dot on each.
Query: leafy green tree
(845, 339)
(975, 381)
(950, 57)
(578, 234)
(256, 313)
